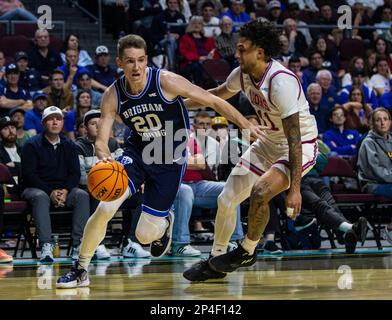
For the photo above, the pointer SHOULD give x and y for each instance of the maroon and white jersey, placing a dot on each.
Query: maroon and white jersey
(276, 96)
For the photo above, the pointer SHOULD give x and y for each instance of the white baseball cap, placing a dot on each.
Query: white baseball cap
(50, 111)
(101, 50)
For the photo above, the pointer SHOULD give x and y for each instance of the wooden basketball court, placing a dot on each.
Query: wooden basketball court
(323, 274)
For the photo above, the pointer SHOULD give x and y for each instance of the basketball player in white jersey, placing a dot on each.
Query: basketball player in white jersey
(275, 162)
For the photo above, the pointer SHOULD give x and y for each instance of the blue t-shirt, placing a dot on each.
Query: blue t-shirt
(33, 120)
(386, 101)
(102, 75)
(20, 94)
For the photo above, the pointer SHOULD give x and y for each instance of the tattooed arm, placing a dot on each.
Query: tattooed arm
(292, 131)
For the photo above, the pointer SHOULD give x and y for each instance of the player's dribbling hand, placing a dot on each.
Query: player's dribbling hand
(104, 159)
(293, 204)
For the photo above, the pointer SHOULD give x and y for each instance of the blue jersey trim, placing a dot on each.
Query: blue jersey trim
(118, 98)
(122, 82)
(154, 212)
(131, 186)
(160, 90)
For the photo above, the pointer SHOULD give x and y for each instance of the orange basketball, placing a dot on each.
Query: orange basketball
(107, 181)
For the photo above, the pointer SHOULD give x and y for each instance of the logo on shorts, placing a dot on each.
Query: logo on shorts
(126, 160)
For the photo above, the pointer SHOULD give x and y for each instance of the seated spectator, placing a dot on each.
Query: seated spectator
(165, 36)
(226, 42)
(195, 48)
(297, 41)
(236, 13)
(71, 69)
(316, 63)
(274, 14)
(115, 16)
(380, 80)
(183, 7)
(15, 95)
(383, 48)
(50, 178)
(58, 94)
(220, 130)
(195, 191)
(87, 159)
(359, 80)
(101, 72)
(317, 200)
(294, 12)
(326, 17)
(84, 82)
(356, 63)
(83, 105)
(219, 9)
(361, 18)
(33, 118)
(9, 150)
(374, 159)
(328, 51)
(285, 54)
(370, 62)
(357, 111)
(306, 5)
(17, 115)
(386, 99)
(202, 124)
(43, 58)
(72, 42)
(29, 78)
(329, 96)
(210, 21)
(294, 65)
(386, 21)
(320, 112)
(341, 141)
(15, 10)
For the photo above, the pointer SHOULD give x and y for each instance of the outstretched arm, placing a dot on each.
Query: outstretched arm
(175, 85)
(108, 114)
(221, 91)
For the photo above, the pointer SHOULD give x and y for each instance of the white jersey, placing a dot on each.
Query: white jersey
(276, 96)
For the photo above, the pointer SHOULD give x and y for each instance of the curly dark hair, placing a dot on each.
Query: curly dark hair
(262, 34)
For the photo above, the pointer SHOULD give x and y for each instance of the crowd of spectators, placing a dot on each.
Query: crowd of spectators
(350, 98)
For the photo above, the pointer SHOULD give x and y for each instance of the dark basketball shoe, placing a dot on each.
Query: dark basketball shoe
(75, 278)
(233, 260)
(357, 233)
(161, 246)
(201, 271)
(360, 229)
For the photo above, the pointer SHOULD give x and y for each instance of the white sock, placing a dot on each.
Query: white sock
(249, 245)
(345, 226)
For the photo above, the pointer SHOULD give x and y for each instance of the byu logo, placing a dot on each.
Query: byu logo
(126, 160)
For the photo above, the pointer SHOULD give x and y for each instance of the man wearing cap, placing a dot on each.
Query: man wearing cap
(9, 150)
(220, 127)
(18, 116)
(101, 71)
(15, 95)
(50, 179)
(58, 94)
(33, 117)
(237, 14)
(29, 78)
(84, 83)
(43, 58)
